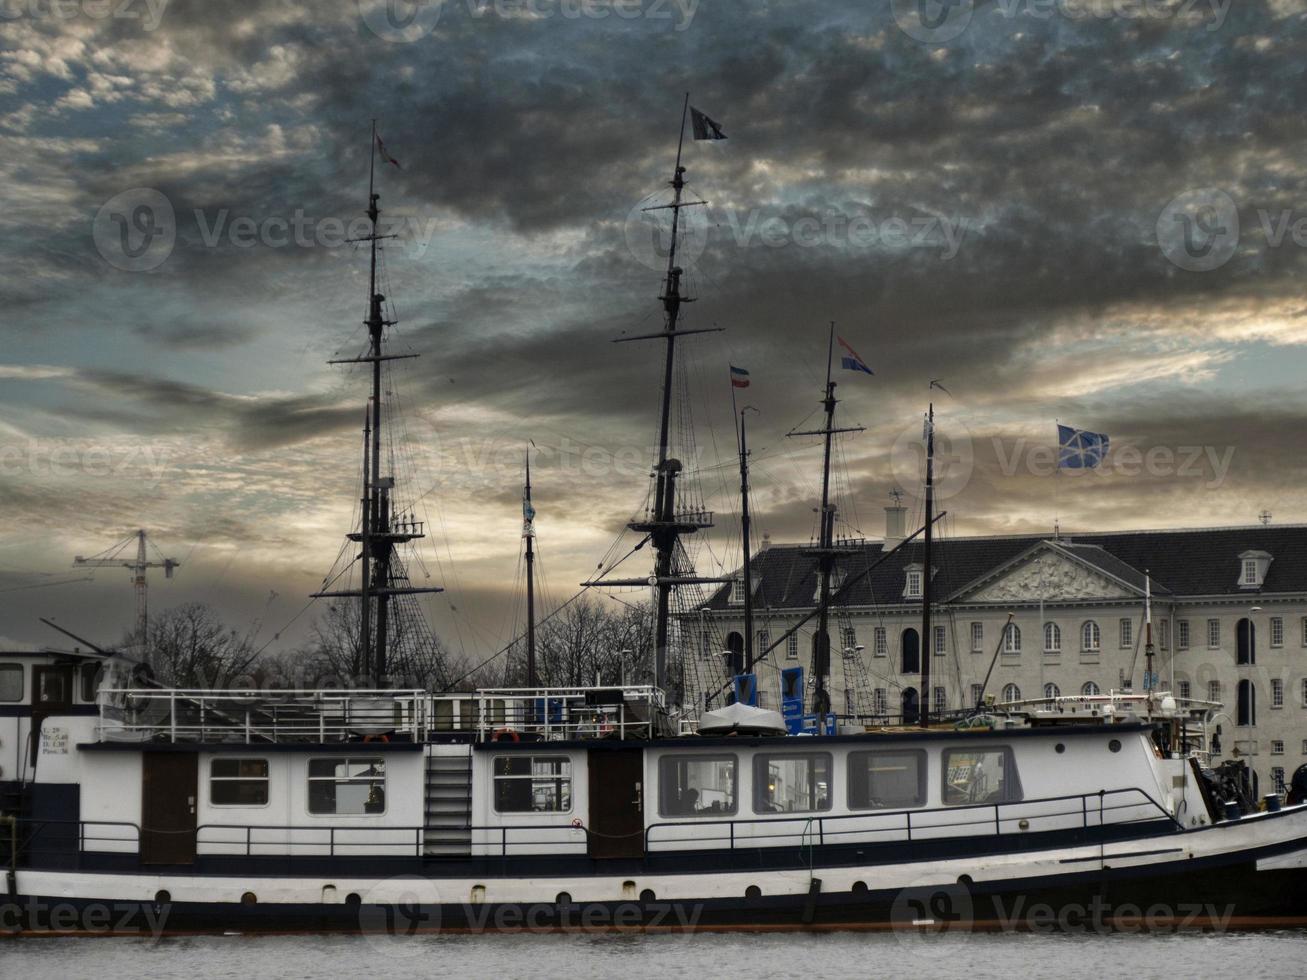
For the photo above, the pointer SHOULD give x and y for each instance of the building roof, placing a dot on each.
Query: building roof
(1198, 562)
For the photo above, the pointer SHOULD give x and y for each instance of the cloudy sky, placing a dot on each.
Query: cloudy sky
(1088, 211)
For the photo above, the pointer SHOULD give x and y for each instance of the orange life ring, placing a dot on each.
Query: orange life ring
(376, 738)
(501, 733)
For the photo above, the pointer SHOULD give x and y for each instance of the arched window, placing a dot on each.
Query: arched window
(1089, 690)
(1012, 638)
(1011, 693)
(1052, 691)
(1090, 637)
(1052, 638)
(1246, 638)
(910, 705)
(734, 653)
(1246, 704)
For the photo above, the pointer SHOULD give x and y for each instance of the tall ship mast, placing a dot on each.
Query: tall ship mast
(389, 618)
(671, 513)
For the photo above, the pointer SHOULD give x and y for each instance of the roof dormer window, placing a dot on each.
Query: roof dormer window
(737, 592)
(913, 582)
(1252, 569)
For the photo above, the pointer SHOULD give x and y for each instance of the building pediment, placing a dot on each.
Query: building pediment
(1050, 574)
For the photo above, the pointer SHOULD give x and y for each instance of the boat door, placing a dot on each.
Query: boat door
(52, 694)
(616, 803)
(168, 788)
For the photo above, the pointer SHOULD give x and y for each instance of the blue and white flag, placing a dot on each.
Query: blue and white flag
(1078, 449)
(849, 359)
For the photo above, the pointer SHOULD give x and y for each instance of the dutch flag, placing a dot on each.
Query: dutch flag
(739, 377)
(849, 360)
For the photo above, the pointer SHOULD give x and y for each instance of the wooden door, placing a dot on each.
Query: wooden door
(169, 781)
(52, 694)
(616, 803)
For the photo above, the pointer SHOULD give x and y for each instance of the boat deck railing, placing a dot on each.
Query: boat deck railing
(254, 716)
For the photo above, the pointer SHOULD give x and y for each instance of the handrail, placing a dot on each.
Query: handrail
(1142, 798)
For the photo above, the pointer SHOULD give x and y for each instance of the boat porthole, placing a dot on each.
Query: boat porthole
(964, 881)
(563, 899)
(1059, 748)
(859, 888)
(353, 899)
(1114, 745)
(1024, 824)
(249, 898)
(753, 891)
(648, 895)
(162, 896)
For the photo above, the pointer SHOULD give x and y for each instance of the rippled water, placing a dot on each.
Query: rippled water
(747, 957)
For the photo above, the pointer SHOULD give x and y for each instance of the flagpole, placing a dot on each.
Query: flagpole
(372, 159)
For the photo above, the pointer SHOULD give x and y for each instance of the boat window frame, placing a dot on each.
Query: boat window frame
(665, 784)
(761, 761)
(309, 779)
(570, 779)
(21, 671)
(266, 779)
(1012, 790)
(923, 778)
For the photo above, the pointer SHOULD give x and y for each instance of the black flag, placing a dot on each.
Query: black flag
(704, 128)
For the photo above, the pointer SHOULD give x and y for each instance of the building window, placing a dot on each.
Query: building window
(941, 641)
(1213, 690)
(1277, 631)
(1249, 571)
(347, 786)
(850, 708)
(1164, 633)
(1011, 693)
(1182, 634)
(764, 641)
(737, 592)
(887, 780)
(1127, 634)
(533, 784)
(238, 782)
(1213, 634)
(976, 693)
(697, 786)
(11, 682)
(880, 702)
(1304, 746)
(1090, 637)
(1277, 746)
(1304, 631)
(1245, 704)
(980, 776)
(1277, 777)
(1052, 691)
(1277, 693)
(978, 636)
(1089, 690)
(850, 636)
(913, 590)
(940, 701)
(1184, 690)
(792, 647)
(1012, 638)
(1245, 637)
(1052, 638)
(1304, 692)
(880, 637)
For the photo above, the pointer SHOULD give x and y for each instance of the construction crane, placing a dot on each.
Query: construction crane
(114, 558)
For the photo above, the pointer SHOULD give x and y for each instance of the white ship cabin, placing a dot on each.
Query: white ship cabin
(225, 781)
(33, 687)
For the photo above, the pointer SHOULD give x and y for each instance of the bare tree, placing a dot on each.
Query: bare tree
(189, 646)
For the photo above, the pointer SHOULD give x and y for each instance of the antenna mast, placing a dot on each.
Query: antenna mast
(528, 534)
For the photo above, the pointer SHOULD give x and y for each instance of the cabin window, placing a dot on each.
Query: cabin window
(980, 776)
(90, 682)
(887, 780)
(697, 786)
(238, 782)
(533, 784)
(791, 783)
(11, 682)
(347, 786)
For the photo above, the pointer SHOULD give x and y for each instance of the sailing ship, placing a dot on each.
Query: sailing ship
(400, 809)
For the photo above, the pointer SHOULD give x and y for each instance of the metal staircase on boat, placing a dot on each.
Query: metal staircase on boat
(448, 830)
